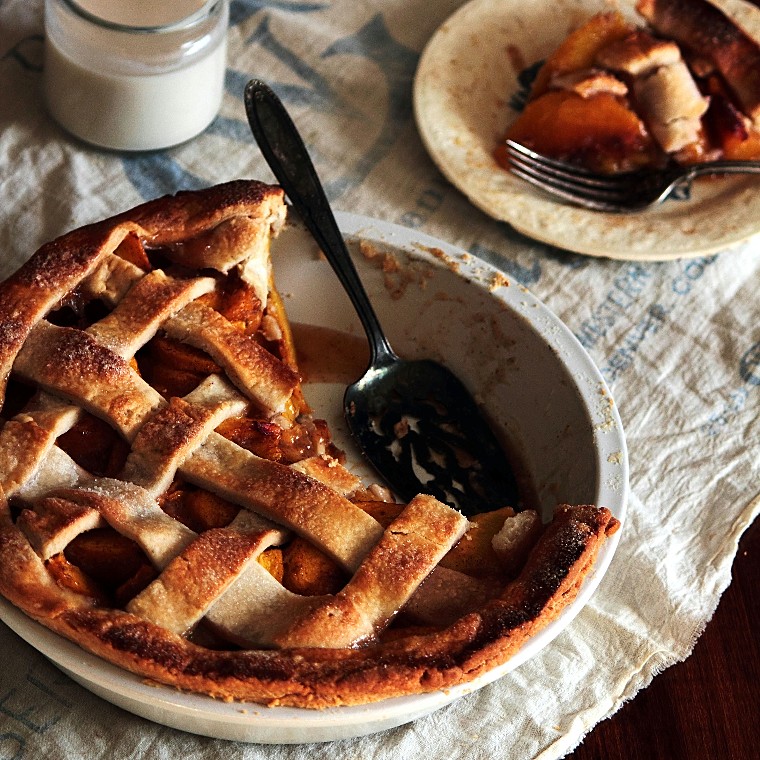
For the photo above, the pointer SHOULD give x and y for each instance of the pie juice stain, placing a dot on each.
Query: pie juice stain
(326, 355)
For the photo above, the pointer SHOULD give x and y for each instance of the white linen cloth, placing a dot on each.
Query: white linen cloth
(678, 343)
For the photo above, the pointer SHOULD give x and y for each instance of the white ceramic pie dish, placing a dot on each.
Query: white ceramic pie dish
(522, 363)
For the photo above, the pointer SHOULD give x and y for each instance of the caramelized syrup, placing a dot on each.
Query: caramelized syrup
(326, 355)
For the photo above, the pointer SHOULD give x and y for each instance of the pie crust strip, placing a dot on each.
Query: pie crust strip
(71, 364)
(254, 370)
(397, 564)
(176, 430)
(195, 578)
(146, 306)
(278, 492)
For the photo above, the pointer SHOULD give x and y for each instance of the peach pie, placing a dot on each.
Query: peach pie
(170, 503)
(616, 96)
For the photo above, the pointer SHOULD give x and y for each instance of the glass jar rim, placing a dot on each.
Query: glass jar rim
(186, 22)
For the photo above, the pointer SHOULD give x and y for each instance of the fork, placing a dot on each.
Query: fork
(616, 193)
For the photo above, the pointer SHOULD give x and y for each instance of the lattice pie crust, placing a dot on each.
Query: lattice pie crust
(147, 370)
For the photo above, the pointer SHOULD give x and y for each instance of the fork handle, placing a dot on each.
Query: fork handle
(287, 156)
(725, 167)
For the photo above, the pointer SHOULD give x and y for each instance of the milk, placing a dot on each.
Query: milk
(135, 75)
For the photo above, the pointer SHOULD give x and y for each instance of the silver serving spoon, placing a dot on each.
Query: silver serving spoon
(414, 421)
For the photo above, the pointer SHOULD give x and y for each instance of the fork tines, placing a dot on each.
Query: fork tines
(571, 182)
(619, 192)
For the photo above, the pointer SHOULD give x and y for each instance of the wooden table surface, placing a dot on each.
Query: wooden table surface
(709, 705)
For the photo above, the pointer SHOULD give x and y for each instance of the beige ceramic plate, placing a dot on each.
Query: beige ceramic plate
(465, 79)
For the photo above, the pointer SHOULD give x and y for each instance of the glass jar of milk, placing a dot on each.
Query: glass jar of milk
(135, 74)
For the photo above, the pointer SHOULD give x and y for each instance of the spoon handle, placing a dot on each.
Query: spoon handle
(286, 154)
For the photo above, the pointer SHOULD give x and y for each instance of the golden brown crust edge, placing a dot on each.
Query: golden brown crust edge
(58, 266)
(318, 678)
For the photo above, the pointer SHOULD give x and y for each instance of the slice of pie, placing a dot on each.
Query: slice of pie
(170, 503)
(616, 96)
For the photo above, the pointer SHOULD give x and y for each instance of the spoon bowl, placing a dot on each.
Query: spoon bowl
(417, 421)
(414, 421)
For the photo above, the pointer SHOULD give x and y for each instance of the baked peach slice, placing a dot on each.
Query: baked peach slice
(599, 132)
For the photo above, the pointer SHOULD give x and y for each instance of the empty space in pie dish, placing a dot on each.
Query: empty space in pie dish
(520, 362)
(541, 390)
